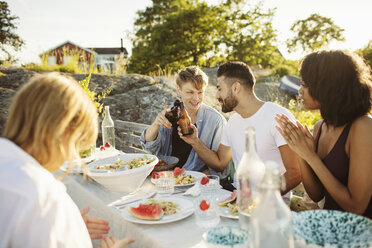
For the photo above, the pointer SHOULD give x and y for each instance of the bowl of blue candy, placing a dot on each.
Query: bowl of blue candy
(226, 237)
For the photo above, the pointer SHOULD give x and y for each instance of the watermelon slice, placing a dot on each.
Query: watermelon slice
(178, 171)
(229, 199)
(147, 211)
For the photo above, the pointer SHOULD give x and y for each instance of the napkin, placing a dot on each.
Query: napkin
(193, 191)
(130, 198)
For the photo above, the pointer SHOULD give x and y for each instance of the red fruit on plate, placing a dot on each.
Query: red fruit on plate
(147, 211)
(107, 145)
(178, 171)
(155, 175)
(229, 199)
(204, 205)
(204, 181)
(102, 148)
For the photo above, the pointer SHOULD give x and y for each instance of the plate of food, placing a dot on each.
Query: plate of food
(165, 163)
(158, 210)
(182, 178)
(332, 228)
(227, 207)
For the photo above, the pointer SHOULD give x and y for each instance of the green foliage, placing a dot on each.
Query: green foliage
(95, 97)
(172, 34)
(314, 33)
(249, 35)
(366, 53)
(305, 117)
(7, 35)
(288, 67)
(281, 70)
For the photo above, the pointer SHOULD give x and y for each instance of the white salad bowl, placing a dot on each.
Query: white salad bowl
(125, 180)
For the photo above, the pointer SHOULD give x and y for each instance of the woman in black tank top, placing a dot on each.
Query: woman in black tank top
(337, 162)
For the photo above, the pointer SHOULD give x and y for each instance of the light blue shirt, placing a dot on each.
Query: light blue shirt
(210, 124)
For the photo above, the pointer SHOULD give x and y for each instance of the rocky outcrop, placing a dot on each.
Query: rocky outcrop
(133, 97)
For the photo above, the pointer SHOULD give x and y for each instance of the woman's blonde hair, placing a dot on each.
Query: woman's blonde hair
(52, 118)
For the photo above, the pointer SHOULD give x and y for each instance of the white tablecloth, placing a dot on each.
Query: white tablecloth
(183, 233)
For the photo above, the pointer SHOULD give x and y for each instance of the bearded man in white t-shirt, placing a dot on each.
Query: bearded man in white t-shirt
(236, 93)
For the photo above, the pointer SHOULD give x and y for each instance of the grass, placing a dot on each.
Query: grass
(96, 98)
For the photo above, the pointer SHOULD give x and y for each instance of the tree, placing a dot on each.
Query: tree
(182, 38)
(176, 33)
(250, 36)
(366, 53)
(7, 28)
(314, 33)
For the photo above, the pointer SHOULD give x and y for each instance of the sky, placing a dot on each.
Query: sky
(45, 24)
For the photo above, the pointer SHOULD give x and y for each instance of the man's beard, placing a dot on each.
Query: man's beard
(229, 103)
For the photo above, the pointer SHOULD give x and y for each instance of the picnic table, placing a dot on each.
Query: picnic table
(182, 233)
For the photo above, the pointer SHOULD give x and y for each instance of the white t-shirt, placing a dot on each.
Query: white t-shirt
(268, 139)
(35, 209)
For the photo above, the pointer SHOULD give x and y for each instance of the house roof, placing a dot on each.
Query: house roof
(93, 50)
(108, 50)
(69, 42)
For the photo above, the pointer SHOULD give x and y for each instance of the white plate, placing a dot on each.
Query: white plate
(224, 211)
(186, 209)
(196, 174)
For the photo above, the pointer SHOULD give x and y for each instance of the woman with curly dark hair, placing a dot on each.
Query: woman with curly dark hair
(336, 163)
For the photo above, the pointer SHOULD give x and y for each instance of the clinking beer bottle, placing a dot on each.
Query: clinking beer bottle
(184, 121)
(173, 113)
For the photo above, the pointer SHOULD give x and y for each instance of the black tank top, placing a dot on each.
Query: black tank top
(337, 162)
(180, 148)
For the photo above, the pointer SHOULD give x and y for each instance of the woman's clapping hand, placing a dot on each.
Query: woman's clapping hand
(299, 138)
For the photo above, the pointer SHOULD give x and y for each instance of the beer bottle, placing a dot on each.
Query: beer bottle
(173, 113)
(184, 121)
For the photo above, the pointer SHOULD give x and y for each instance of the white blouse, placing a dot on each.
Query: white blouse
(35, 209)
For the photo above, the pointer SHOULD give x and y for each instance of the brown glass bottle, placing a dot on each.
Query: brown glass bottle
(173, 113)
(185, 121)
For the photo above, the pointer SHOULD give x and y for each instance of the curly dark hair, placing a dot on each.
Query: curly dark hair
(341, 82)
(237, 71)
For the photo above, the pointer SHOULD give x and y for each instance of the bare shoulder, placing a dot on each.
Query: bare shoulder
(362, 128)
(316, 127)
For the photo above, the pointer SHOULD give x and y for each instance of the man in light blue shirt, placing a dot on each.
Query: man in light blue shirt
(162, 138)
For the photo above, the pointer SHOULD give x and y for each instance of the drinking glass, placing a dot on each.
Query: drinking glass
(164, 183)
(205, 210)
(212, 187)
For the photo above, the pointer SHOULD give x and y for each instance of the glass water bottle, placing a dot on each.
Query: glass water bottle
(108, 129)
(249, 173)
(271, 220)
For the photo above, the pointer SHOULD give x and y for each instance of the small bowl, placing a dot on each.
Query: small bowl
(226, 237)
(170, 163)
(125, 181)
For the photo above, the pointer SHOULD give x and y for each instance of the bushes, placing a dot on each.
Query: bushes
(289, 67)
(305, 117)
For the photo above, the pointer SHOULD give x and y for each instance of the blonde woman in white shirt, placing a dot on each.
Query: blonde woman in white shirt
(50, 119)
